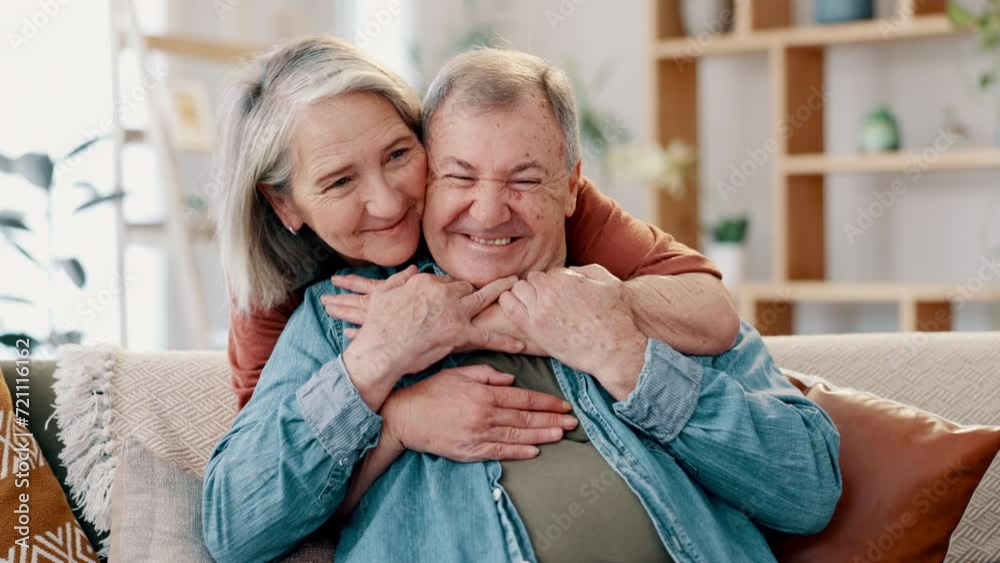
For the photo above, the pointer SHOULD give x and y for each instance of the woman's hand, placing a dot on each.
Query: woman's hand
(354, 309)
(413, 320)
(473, 414)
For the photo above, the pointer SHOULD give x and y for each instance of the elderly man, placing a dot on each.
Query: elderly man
(675, 458)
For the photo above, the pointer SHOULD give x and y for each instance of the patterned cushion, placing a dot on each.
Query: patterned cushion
(36, 523)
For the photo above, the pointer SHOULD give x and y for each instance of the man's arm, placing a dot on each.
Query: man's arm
(676, 293)
(740, 429)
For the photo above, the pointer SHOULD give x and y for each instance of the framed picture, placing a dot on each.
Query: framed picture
(192, 123)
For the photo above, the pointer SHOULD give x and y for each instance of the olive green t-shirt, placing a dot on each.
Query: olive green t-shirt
(575, 506)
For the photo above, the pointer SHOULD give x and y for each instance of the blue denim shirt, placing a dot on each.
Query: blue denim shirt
(715, 448)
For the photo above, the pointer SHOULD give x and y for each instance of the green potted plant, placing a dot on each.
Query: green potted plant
(39, 170)
(986, 24)
(727, 248)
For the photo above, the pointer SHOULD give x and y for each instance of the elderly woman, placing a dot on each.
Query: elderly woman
(327, 170)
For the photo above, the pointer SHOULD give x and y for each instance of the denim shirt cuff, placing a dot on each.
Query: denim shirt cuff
(338, 416)
(665, 395)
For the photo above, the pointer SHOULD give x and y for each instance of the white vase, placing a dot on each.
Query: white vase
(707, 16)
(731, 258)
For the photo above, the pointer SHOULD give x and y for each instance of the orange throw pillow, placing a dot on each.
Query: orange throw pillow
(36, 523)
(908, 476)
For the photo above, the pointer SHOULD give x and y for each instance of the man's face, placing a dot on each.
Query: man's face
(499, 190)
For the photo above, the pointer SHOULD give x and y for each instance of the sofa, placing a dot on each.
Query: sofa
(162, 414)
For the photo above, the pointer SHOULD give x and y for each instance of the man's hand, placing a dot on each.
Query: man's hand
(582, 317)
(473, 414)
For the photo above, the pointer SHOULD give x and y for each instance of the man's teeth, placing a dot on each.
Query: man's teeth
(493, 241)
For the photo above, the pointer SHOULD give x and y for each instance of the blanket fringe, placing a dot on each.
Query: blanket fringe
(83, 412)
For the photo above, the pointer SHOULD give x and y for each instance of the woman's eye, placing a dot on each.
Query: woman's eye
(340, 183)
(526, 182)
(398, 153)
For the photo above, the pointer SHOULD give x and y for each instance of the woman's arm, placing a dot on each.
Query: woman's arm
(252, 338)
(677, 294)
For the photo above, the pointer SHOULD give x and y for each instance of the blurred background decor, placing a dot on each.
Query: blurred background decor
(986, 23)
(36, 242)
(880, 131)
(727, 248)
(838, 11)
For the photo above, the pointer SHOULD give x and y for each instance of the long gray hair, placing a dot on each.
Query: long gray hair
(262, 261)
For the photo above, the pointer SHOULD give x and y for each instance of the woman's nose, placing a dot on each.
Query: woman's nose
(385, 200)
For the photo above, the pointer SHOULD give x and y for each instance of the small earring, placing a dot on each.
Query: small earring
(291, 230)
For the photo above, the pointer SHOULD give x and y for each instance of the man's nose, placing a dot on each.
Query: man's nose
(489, 205)
(385, 201)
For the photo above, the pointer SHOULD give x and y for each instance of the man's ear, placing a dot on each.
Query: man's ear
(574, 189)
(282, 204)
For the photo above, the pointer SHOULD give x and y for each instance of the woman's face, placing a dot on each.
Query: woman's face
(359, 179)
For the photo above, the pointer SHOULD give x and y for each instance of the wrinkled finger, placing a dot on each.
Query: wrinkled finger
(528, 436)
(594, 272)
(524, 399)
(480, 300)
(352, 315)
(515, 310)
(347, 300)
(399, 278)
(531, 419)
(526, 292)
(500, 451)
(486, 339)
(356, 283)
(484, 374)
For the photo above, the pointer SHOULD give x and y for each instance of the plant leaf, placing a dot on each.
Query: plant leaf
(12, 220)
(986, 80)
(10, 339)
(959, 15)
(36, 168)
(99, 200)
(91, 188)
(15, 299)
(24, 252)
(74, 269)
(82, 147)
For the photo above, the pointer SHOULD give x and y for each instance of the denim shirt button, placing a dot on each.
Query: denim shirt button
(497, 493)
(344, 461)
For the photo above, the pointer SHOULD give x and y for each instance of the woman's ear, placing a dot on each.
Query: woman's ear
(282, 204)
(574, 189)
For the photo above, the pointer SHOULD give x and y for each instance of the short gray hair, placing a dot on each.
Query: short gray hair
(263, 262)
(490, 78)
